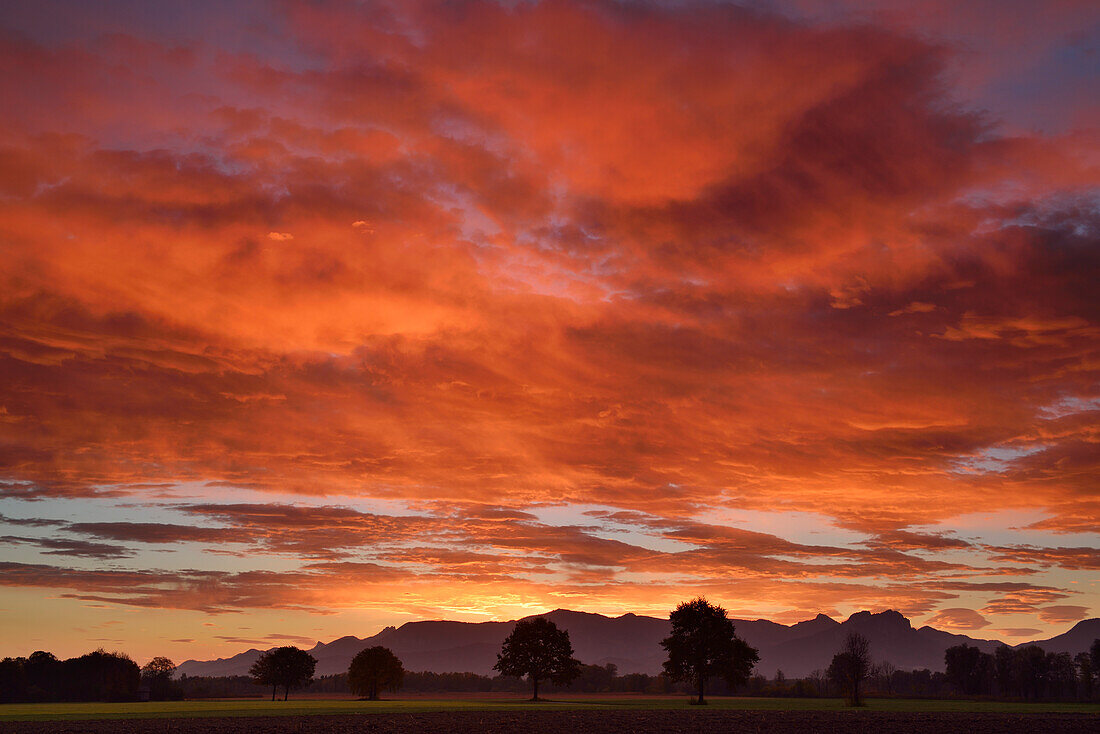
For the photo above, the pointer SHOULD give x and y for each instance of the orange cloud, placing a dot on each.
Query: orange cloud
(630, 264)
(1063, 613)
(958, 618)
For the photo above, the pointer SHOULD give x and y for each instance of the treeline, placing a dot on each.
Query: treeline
(97, 676)
(884, 680)
(592, 679)
(1029, 673)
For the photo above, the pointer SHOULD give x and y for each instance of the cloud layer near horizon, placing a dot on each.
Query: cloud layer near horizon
(652, 264)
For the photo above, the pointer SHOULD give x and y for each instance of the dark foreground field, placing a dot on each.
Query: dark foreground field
(579, 722)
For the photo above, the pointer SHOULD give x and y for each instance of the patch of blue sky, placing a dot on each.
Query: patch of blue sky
(803, 527)
(643, 540)
(164, 508)
(567, 514)
(33, 555)
(994, 459)
(1069, 406)
(1010, 527)
(154, 557)
(575, 515)
(223, 494)
(123, 504)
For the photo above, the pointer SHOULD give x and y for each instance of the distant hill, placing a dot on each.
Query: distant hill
(632, 643)
(1077, 639)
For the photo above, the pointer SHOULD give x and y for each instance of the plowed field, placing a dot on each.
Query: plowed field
(581, 722)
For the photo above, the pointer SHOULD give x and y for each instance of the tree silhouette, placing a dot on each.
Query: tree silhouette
(850, 667)
(1083, 661)
(288, 667)
(539, 650)
(157, 674)
(43, 672)
(969, 669)
(374, 669)
(703, 645)
(1089, 664)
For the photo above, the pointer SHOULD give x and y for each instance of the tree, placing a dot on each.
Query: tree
(1085, 673)
(1004, 664)
(43, 676)
(1061, 676)
(374, 669)
(157, 674)
(13, 680)
(969, 669)
(884, 671)
(100, 676)
(595, 678)
(850, 667)
(703, 645)
(1031, 668)
(539, 650)
(287, 666)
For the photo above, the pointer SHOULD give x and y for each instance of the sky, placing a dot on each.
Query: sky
(318, 317)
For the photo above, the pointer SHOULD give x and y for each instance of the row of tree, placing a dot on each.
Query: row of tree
(1030, 672)
(97, 676)
(884, 680)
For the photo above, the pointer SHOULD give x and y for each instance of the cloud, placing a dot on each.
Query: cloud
(1063, 613)
(914, 307)
(1081, 558)
(1023, 600)
(434, 315)
(958, 618)
(491, 263)
(64, 547)
(291, 638)
(155, 532)
(909, 540)
(34, 522)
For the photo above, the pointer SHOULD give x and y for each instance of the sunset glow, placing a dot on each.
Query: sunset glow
(324, 316)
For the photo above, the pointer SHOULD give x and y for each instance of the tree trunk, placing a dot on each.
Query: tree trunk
(274, 690)
(702, 685)
(286, 692)
(535, 683)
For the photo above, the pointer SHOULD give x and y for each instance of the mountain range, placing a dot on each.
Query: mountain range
(632, 643)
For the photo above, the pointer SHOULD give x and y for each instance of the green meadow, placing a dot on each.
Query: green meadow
(253, 707)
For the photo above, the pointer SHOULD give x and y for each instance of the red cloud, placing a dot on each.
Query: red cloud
(661, 260)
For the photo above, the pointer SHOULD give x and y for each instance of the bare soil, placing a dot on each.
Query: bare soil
(582, 722)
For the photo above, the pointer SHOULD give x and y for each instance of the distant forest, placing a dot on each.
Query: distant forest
(1025, 674)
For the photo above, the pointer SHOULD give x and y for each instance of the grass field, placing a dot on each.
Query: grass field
(253, 707)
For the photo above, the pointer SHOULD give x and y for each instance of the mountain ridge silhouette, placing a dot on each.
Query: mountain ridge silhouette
(632, 642)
